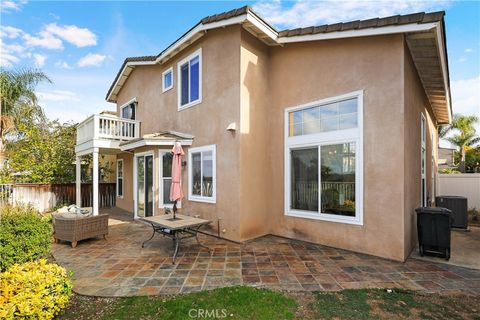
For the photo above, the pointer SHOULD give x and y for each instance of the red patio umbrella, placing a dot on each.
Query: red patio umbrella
(176, 192)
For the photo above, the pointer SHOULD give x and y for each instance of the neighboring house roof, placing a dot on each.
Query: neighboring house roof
(425, 37)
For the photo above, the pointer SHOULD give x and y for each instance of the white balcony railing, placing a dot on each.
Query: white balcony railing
(107, 127)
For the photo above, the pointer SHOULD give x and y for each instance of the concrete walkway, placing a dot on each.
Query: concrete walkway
(465, 249)
(119, 266)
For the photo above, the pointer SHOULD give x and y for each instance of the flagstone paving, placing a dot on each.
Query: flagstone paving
(119, 266)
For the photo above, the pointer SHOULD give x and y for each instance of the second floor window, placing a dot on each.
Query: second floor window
(190, 80)
(167, 79)
(128, 111)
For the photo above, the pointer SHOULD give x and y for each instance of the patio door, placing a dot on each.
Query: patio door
(144, 186)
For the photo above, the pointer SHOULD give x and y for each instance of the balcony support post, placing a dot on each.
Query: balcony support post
(78, 177)
(95, 181)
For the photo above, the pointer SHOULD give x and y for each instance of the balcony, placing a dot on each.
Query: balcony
(105, 131)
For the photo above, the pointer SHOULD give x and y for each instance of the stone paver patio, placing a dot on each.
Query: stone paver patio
(120, 267)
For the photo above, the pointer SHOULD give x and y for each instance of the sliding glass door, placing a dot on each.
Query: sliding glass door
(144, 187)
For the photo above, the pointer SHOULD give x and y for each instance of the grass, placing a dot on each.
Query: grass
(393, 304)
(253, 303)
(231, 303)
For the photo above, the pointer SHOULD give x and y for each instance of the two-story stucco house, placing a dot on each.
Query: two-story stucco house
(325, 134)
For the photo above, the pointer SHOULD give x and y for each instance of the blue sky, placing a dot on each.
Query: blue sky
(81, 45)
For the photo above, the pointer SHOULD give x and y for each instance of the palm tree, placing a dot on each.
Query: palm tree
(16, 92)
(465, 135)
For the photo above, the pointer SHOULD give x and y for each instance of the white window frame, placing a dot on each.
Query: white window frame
(128, 103)
(423, 158)
(164, 88)
(432, 169)
(179, 91)
(197, 198)
(354, 135)
(123, 178)
(161, 200)
(135, 181)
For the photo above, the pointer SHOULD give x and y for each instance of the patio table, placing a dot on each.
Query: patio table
(182, 227)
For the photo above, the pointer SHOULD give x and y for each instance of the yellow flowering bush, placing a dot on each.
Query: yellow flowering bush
(34, 290)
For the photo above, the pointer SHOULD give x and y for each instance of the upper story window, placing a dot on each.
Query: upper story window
(323, 160)
(167, 79)
(128, 110)
(333, 116)
(190, 80)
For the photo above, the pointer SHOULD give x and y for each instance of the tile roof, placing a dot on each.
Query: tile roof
(420, 17)
(226, 15)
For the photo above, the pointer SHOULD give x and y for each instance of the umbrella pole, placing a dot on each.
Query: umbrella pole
(174, 208)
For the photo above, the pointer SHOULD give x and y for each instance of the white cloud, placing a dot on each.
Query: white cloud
(80, 37)
(10, 32)
(57, 95)
(10, 54)
(63, 65)
(466, 96)
(91, 60)
(45, 40)
(468, 50)
(12, 5)
(53, 35)
(462, 59)
(39, 59)
(7, 60)
(310, 13)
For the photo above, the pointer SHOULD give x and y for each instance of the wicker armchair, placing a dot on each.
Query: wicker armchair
(81, 228)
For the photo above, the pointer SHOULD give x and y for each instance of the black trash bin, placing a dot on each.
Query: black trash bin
(433, 226)
(458, 206)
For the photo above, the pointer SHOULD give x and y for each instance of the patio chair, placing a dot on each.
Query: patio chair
(79, 228)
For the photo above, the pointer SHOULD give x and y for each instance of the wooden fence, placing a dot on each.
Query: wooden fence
(45, 197)
(462, 184)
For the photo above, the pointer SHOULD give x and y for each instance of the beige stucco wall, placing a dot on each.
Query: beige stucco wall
(207, 121)
(248, 83)
(254, 126)
(310, 71)
(126, 202)
(416, 103)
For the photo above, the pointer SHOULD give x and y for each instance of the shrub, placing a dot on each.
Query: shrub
(474, 215)
(24, 235)
(34, 290)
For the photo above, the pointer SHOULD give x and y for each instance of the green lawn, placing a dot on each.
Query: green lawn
(252, 303)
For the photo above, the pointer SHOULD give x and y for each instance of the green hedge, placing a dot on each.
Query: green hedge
(24, 235)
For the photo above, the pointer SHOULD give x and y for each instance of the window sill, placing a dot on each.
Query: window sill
(188, 105)
(324, 217)
(167, 89)
(120, 197)
(199, 199)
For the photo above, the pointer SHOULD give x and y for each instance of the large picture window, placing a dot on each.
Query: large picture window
(201, 174)
(190, 80)
(120, 178)
(323, 160)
